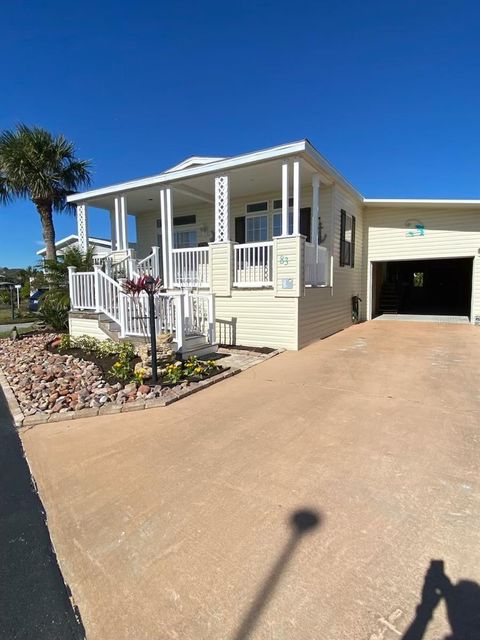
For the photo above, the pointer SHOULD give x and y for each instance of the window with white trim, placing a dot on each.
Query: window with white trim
(347, 239)
(277, 217)
(256, 229)
(256, 207)
(185, 233)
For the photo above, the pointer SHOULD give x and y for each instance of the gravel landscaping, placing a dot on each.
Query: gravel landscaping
(47, 382)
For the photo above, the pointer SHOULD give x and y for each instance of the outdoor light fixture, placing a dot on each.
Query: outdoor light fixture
(149, 285)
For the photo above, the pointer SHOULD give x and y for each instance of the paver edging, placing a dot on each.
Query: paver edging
(21, 420)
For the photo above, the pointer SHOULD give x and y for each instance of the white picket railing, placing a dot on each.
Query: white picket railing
(108, 295)
(253, 265)
(178, 313)
(82, 290)
(316, 265)
(149, 266)
(190, 267)
(199, 310)
(136, 314)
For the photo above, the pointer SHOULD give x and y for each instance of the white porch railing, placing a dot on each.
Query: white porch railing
(118, 264)
(179, 313)
(199, 310)
(150, 266)
(82, 295)
(316, 265)
(190, 267)
(107, 292)
(253, 265)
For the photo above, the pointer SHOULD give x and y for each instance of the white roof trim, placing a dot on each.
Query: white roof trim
(193, 161)
(218, 166)
(419, 201)
(74, 238)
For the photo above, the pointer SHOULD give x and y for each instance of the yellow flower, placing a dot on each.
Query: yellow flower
(198, 369)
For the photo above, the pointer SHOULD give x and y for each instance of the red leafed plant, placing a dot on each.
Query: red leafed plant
(135, 286)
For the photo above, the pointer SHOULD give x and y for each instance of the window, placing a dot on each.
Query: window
(185, 234)
(277, 224)
(183, 239)
(347, 239)
(277, 204)
(255, 207)
(257, 229)
(277, 217)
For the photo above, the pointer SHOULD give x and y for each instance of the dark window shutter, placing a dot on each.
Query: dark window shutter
(352, 248)
(240, 230)
(343, 222)
(305, 220)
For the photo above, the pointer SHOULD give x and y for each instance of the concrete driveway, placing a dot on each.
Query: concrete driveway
(305, 498)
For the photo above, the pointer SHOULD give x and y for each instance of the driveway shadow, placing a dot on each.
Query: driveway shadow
(34, 599)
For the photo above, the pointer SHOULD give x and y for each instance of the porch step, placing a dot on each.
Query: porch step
(197, 345)
(109, 326)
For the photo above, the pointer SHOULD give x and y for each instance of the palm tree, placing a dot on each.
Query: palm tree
(35, 164)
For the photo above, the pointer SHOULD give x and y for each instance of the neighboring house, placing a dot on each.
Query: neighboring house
(101, 247)
(268, 248)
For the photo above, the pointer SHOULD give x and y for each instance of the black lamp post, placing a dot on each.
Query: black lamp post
(149, 284)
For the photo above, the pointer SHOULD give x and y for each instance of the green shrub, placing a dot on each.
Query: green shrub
(54, 310)
(100, 348)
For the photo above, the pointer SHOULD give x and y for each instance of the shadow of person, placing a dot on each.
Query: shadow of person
(462, 601)
(301, 522)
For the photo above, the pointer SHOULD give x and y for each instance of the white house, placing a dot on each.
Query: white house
(268, 249)
(101, 248)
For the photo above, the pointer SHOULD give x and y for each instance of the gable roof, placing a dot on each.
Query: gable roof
(71, 239)
(193, 161)
(301, 148)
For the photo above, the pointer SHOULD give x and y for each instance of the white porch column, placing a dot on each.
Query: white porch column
(121, 223)
(169, 215)
(82, 227)
(118, 226)
(315, 209)
(296, 198)
(285, 198)
(222, 209)
(124, 222)
(113, 231)
(163, 216)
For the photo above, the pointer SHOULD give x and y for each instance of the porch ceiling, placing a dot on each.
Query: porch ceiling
(246, 181)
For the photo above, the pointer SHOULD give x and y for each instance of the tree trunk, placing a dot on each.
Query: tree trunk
(44, 208)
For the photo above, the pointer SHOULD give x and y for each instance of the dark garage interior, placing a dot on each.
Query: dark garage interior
(436, 287)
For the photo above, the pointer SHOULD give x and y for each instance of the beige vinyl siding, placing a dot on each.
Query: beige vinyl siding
(256, 318)
(450, 232)
(85, 327)
(323, 311)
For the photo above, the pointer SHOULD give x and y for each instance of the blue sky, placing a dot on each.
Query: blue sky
(388, 91)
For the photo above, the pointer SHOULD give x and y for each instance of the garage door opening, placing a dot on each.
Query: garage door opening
(422, 287)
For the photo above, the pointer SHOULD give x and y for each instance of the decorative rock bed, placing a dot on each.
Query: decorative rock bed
(49, 386)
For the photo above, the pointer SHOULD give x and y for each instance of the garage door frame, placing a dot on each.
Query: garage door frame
(409, 259)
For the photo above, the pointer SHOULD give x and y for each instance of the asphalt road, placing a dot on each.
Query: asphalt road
(34, 601)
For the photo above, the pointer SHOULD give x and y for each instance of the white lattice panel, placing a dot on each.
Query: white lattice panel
(82, 227)
(222, 213)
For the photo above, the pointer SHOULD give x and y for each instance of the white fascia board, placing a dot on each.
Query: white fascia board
(74, 238)
(417, 201)
(215, 167)
(330, 170)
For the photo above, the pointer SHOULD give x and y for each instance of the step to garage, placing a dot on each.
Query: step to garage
(414, 317)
